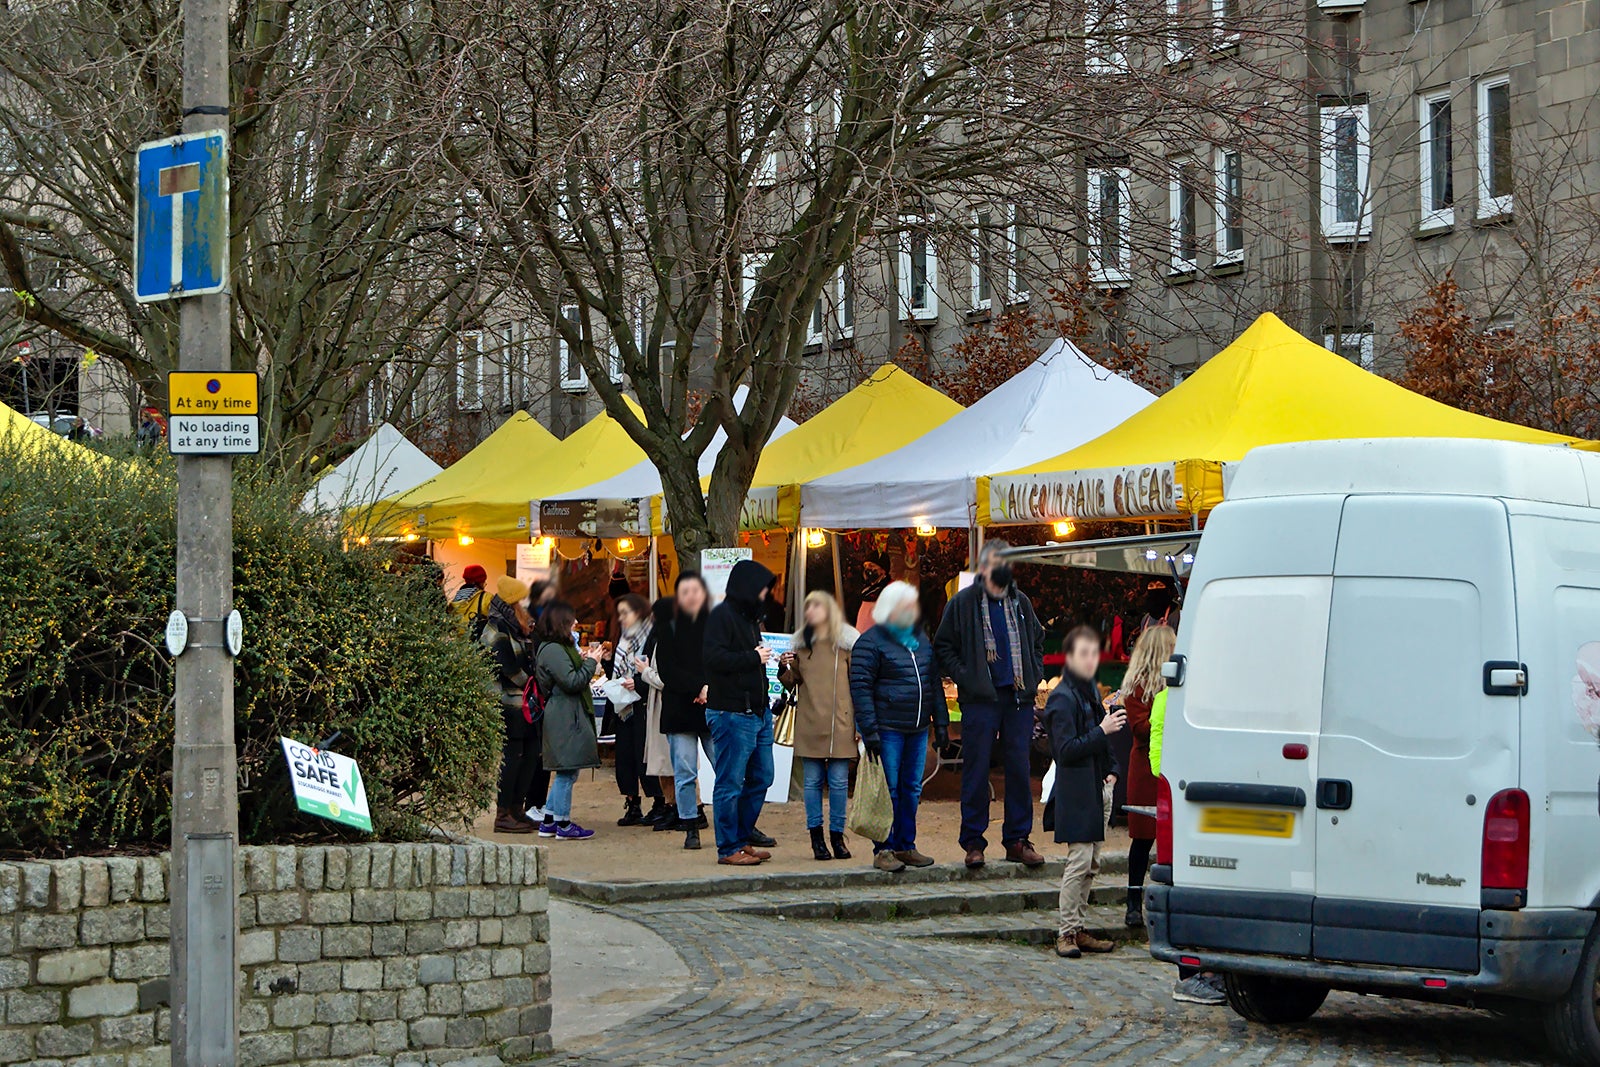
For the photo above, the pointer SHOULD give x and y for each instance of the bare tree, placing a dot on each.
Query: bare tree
(348, 258)
(684, 188)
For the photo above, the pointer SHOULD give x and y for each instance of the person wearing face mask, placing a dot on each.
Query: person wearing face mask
(897, 698)
(990, 643)
(508, 635)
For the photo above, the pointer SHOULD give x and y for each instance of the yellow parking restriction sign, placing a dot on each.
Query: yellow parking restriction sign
(213, 393)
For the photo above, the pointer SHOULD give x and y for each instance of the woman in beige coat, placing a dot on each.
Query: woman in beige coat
(825, 721)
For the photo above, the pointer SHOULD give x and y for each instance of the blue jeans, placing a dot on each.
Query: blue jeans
(905, 757)
(1010, 719)
(741, 751)
(686, 770)
(559, 804)
(837, 772)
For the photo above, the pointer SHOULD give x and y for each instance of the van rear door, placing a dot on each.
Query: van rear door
(1412, 745)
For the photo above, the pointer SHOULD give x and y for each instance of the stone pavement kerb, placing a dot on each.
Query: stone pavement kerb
(605, 971)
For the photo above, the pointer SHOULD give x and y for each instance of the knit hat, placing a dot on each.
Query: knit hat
(510, 590)
(895, 595)
(475, 575)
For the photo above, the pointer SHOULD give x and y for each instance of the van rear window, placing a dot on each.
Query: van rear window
(1256, 652)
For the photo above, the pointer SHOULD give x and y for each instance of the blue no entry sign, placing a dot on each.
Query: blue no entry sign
(180, 230)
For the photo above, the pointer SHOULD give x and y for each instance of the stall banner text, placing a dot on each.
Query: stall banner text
(1109, 493)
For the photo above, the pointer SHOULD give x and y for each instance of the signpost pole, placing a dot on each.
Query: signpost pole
(205, 800)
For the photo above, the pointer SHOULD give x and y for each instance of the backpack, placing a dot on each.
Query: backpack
(477, 615)
(532, 701)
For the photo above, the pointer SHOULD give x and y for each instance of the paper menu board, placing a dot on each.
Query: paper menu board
(715, 566)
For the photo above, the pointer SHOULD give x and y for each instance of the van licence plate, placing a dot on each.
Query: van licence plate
(1249, 822)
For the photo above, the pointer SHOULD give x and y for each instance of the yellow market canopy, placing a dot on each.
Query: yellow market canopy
(479, 495)
(17, 429)
(597, 450)
(1270, 386)
(888, 410)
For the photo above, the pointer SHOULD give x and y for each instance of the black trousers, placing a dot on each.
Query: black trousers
(524, 783)
(631, 778)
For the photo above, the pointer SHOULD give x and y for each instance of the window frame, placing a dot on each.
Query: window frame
(570, 383)
(1178, 48)
(1017, 289)
(845, 310)
(1225, 25)
(1228, 210)
(981, 278)
(1177, 264)
(1122, 274)
(474, 402)
(915, 226)
(1489, 205)
(1334, 230)
(1434, 216)
(1335, 341)
(1104, 30)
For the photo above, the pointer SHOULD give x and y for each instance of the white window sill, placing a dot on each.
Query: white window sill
(1183, 272)
(1436, 223)
(574, 387)
(1497, 209)
(1110, 279)
(1342, 238)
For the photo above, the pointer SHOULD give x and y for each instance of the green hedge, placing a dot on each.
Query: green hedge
(334, 640)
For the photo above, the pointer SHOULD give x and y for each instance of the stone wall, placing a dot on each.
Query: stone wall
(367, 954)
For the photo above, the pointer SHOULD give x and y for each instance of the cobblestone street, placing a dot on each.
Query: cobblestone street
(765, 988)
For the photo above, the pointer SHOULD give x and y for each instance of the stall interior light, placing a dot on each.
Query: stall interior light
(548, 542)
(464, 540)
(1151, 554)
(1188, 559)
(1064, 528)
(816, 538)
(624, 544)
(411, 537)
(363, 540)
(926, 529)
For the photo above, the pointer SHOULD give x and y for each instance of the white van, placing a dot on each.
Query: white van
(1381, 758)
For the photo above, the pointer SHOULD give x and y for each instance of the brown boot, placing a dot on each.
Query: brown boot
(738, 859)
(912, 858)
(1089, 943)
(974, 858)
(1067, 947)
(506, 823)
(1024, 853)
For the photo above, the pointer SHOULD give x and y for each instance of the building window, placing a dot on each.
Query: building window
(815, 324)
(1016, 261)
(982, 261)
(1225, 23)
(1494, 147)
(574, 379)
(765, 171)
(1354, 345)
(1181, 30)
(1437, 146)
(1103, 36)
(469, 371)
(1230, 206)
(513, 362)
(1183, 208)
(1346, 156)
(918, 274)
(847, 300)
(1110, 223)
(751, 264)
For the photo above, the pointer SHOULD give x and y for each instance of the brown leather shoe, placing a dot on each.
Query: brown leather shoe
(1067, 948)
(888, 861)
(1024, 853)
(1089, 943)
(739, 859)
(506, 823)
(759, 853)
(975, 859)
(912, 858)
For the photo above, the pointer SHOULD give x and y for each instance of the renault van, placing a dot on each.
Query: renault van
(1381, 767)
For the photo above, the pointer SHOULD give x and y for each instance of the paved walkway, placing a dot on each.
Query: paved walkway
(762, 987)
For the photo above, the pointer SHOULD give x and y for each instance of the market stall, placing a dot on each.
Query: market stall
(1058, 402)
(1172, 459)
(385, 465)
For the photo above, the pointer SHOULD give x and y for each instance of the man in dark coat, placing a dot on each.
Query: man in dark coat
(738, 714)
(1079, 738)
(991, 644)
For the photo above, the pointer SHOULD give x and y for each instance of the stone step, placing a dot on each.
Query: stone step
(832, 878)
(1035, 927)
(893, 903)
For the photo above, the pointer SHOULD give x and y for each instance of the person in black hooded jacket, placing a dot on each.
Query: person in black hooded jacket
(738, 714)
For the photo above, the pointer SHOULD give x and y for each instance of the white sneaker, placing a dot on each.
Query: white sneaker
(536, 813)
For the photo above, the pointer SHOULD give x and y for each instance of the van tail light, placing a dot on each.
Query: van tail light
(1164, 822)
(1505, 840)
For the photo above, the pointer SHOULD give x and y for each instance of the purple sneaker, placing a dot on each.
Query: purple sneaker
(547, 828)
(573, 832)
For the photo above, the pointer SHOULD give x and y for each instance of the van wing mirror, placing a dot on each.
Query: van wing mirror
(1174, 670)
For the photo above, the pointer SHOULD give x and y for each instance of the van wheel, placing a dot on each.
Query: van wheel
(1273, 1000)
(1573, 1022)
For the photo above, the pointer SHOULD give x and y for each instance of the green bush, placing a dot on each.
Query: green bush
(334, 640)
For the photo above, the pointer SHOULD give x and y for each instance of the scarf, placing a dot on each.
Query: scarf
(587, 693)
(1013, 632)
(632, 644)
(906, 635)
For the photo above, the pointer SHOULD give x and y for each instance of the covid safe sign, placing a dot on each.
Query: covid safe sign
(327, 785)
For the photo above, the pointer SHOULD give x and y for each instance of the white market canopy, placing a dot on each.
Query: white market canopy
(384, 465)
(1058, 402)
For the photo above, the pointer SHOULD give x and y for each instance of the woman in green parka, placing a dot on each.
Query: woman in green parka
(570, 745)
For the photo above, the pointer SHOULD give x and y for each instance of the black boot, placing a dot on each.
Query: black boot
(840, 852)
(631, 815)
(760, 840)
(700, 820)
(691, 839)
(658, 811)
(819, 847)
(1135, 916)
(670, 821)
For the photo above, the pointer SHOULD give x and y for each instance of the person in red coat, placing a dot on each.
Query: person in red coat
(1139, 688)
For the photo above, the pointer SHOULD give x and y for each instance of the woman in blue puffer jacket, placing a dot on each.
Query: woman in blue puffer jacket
(898, 696)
